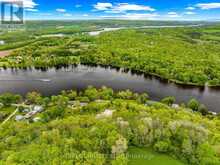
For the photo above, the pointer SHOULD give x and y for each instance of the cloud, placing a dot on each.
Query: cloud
(85, 15)
(32, 10)
(61, 10)
(134, 16)
(173, 15)
(102, 6)
(67, 15)
(140, 16)
(121, 7)
(207, 6)
(190, 8)
(26, 3)
(189, 13)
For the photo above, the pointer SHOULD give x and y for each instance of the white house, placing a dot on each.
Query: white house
(25, 110)
(36, 119)
(19, 117)
(83, 104)
(106, 114)
(38, 108)
(175, 106)
(2, 42)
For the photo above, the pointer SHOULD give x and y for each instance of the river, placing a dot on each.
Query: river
(54, 80)
(96, 33)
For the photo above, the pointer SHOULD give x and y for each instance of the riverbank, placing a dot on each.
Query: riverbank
(155, 75)
(51, 81)
(177, 82)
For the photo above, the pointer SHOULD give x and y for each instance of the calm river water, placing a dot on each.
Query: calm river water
(54, 80)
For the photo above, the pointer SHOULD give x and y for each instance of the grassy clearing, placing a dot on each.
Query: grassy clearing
(146, 156)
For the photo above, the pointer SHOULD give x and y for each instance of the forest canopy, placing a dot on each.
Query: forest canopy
(101, 126)
(188, 55)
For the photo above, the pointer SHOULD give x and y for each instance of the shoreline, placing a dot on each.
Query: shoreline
(155, 75)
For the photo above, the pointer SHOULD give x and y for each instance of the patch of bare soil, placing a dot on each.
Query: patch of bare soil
(5, 53)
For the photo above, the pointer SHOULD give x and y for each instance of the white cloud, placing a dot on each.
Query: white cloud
(32, 10)
(173, 15)
(102, 6)
(207, 6)
(140, 16)
(67, 15)
(189, 13)
(134, 16)
(121, 7)
(190, 8)
(26, 3)
(85, 15)
(61, 10)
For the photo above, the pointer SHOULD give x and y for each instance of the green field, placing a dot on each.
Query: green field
(146, 156)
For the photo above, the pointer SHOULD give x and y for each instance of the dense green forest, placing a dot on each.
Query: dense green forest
(32, 30)
(100, 127)
(188, 55)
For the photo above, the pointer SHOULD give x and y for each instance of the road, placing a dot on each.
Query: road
(9, 117)
(16, 105)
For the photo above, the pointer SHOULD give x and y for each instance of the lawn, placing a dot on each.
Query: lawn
(146, 156)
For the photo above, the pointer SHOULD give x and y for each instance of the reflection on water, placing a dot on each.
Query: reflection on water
(53, 80)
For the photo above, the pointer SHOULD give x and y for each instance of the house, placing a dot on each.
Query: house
(2, 42)
(83, 104)
(36, 119)
(28, 115)
(38, 108)
(19, 117)
(25, 110)
(175, 106)
(106, 114)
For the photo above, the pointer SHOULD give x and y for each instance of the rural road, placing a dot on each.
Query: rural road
(10, 117)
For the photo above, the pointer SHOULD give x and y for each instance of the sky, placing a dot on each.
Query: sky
(122, 9)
